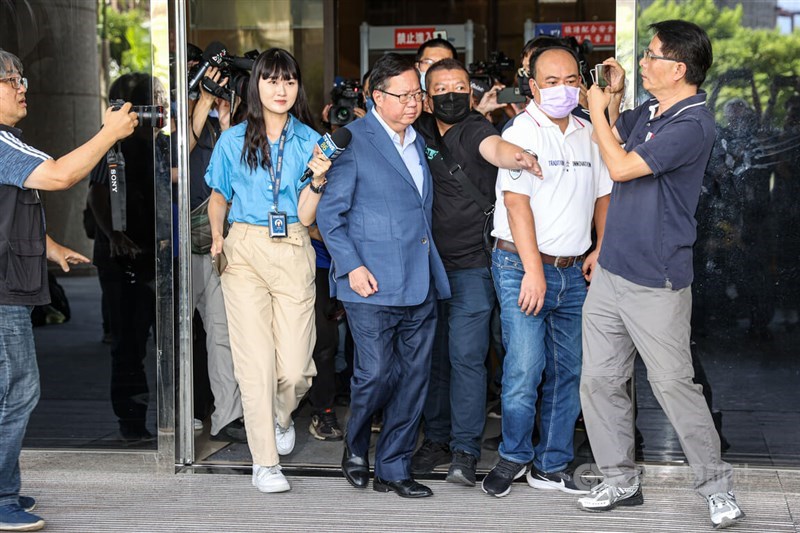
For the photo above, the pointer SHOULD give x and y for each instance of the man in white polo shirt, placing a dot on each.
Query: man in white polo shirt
(543, 230)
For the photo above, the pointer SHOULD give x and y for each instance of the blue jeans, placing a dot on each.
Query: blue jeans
(455, 409)
(19, 393)
(548, 343)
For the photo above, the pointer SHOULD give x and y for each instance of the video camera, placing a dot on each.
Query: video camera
(346, 95)
(484, 74)
(149, 115)
(237, 70)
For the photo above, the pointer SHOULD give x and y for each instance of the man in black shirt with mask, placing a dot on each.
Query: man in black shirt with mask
(455, 134)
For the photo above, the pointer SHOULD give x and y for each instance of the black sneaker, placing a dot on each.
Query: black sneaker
(556, 481)
(462, 468)
(498, 481)
(325, 426)
(429, 456)
(233, 431)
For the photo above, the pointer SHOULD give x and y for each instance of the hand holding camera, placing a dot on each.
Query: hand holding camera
(609, 74)
(120, 121)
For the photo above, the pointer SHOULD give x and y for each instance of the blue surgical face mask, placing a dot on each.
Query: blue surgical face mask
(558, 101)
(369, 103)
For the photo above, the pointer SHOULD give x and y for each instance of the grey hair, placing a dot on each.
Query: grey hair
(9, 64)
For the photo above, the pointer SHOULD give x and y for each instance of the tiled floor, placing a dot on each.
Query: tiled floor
(755, 385)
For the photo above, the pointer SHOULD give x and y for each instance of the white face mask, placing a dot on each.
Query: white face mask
(422, 81)
(558, 101)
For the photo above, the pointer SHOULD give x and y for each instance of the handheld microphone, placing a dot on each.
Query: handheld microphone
(213, 56)
(332, 147)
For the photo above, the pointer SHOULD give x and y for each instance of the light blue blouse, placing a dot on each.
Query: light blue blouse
(250, 192)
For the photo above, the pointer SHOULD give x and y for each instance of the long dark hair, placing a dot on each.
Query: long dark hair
(274, 63)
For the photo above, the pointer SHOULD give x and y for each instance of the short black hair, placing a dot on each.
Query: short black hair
(365, 77)
(435, 43)
(445, 64)
(688, 43)
(542, 41)
(539, 51)
(388, 66)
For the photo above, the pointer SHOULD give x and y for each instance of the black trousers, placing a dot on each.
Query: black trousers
(323, 386)
(131, 315)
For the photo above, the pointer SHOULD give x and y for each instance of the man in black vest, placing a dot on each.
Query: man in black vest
(24, 248)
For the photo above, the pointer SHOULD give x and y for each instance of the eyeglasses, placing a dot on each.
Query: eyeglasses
(428, 62)
(404, 98)
(649, 56)
(16, 82)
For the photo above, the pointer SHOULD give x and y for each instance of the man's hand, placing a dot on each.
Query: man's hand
(214, 75)
(488, 103)
(598, 100)
(531, 292)
(589, 264)
(529, 162)
(120, 124)
(123, 246)
(582, 98)
(363, 282)
(63, 256)
(615, 75)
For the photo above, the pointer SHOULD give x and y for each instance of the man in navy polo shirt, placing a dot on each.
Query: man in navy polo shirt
(640, 297)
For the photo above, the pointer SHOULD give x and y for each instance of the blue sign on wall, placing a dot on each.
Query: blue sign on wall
(553, 30)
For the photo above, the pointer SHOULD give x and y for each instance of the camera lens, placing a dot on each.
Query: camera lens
(343, 115)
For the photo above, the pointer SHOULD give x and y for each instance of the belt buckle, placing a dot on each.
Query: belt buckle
(567, 261)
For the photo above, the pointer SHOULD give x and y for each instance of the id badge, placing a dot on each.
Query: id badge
(277, 225)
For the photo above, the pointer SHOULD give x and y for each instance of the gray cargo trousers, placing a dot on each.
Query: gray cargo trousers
(619, 319)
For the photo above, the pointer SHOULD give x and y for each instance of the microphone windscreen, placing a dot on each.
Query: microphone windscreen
(341, 137)
(214, 53)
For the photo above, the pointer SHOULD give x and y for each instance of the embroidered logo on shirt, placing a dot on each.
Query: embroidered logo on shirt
(430, 153)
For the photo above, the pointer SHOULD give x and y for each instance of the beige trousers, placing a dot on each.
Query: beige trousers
(269, 299)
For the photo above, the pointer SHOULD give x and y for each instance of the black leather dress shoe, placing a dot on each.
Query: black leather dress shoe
(407, 488)
(355, 468)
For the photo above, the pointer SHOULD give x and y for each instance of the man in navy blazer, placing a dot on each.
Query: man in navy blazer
(375, 219)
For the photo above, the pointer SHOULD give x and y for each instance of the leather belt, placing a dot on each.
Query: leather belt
(559, 261)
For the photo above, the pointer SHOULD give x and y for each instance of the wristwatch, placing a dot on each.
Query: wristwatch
(316, 190)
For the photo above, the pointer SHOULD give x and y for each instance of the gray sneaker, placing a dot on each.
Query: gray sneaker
(605, 497)
(723, 509)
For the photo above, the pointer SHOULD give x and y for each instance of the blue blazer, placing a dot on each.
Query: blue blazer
(372, 214)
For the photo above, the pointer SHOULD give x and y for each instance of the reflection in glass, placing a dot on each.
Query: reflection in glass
(747, 288)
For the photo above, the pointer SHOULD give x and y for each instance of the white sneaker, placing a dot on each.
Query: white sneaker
(284, 438)
(269, 479)
(723, 509)
(605, 497)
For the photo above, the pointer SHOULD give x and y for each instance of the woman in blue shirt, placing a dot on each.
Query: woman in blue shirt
(268, 284)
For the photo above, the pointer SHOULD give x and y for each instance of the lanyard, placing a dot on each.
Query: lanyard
(275, 174)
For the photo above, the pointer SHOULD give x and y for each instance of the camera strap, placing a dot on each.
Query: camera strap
(455, 170)
(117, 188)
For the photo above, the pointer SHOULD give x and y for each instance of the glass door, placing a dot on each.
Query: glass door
(105, 341)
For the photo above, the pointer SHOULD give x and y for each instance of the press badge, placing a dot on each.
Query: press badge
(277, 224)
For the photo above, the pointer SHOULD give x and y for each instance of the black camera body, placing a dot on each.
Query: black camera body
(149, 115)
(484, 74)
(345, 97)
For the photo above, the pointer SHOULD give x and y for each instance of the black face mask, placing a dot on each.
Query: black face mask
(451, 108)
